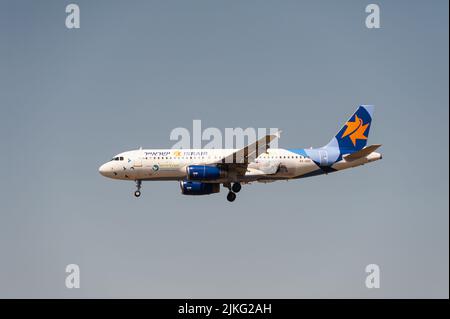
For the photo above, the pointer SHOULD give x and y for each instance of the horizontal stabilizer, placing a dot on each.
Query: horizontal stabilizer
(362, 153)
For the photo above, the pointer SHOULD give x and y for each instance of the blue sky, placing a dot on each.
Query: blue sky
(137, 69)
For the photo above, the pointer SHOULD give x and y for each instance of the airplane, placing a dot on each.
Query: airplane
(202, 171)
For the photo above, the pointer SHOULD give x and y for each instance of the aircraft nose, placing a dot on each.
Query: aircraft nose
(103, 169)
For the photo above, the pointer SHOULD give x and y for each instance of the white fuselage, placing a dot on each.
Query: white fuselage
(171, 164)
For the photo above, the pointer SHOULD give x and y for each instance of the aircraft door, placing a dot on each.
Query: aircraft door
(323, 155)
(135, 168)
(137, 163)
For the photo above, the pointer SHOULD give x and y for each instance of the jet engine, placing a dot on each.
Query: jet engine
(198, 188)
(203, 172)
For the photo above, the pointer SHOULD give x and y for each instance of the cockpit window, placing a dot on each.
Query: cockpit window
(117, 158)
(121, 158)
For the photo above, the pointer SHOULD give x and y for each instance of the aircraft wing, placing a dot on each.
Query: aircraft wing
(241, 158)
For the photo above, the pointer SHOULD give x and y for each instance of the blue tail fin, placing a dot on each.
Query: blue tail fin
(353, 135)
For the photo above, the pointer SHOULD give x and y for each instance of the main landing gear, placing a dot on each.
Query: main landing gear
(236, 187)
(231, 196)
(232, 191)
(137, 193)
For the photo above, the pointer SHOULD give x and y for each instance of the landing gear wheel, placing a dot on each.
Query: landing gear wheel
(137, 193)
(236, 187)
(231, 197)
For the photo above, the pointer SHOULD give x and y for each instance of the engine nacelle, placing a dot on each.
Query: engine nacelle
(203, 172)
(198, 188)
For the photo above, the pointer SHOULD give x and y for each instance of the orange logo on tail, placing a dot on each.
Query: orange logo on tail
(356, 130)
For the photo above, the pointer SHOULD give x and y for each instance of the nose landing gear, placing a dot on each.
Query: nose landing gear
(137, 193)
